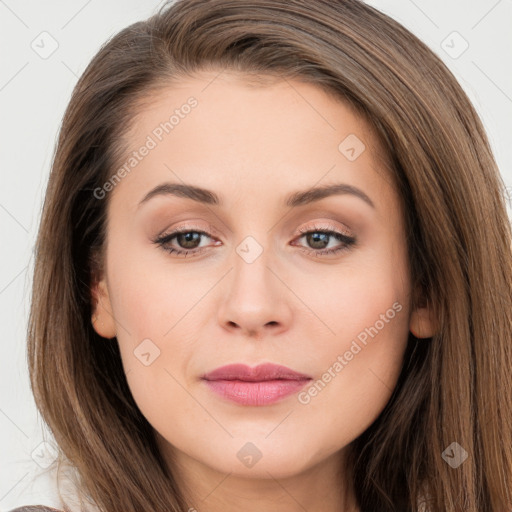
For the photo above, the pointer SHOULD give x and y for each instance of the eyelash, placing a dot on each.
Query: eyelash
(165, 238)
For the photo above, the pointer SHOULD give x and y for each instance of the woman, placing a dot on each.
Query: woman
(274, 271)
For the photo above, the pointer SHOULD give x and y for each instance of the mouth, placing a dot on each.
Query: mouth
(262, 385)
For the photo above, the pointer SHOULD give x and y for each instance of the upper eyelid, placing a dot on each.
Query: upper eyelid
(302, 231)
(328, 227)
(207, 231)
(211, 230)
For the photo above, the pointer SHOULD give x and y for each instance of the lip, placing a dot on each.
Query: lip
(262, 385)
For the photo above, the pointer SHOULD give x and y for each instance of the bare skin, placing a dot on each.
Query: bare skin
(254, 146)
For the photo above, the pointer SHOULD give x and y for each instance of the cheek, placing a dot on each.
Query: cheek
(157, 316)
(149, 298)
(363, 300)
(358, 363)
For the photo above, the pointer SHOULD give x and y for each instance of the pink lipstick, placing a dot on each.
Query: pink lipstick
(262, 385)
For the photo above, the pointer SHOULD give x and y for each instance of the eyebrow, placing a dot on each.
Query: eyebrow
(300, 198)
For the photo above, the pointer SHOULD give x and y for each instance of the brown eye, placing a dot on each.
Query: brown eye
(182, 241)
(189, 240)
(318, 239)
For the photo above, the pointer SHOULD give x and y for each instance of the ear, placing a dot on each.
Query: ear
(422, 322)
(102, 315)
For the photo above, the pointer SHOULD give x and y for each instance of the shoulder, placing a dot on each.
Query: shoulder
(35, 508)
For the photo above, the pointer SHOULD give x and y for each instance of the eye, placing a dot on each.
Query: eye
(320, 238)
(188, 240)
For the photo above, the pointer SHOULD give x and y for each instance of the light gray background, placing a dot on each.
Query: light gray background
(34, 92)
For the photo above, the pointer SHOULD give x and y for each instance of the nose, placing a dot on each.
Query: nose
(256, 301)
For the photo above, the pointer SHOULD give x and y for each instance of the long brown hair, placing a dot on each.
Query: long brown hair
(454, 387)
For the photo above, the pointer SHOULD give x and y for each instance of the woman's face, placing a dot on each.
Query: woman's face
(263, 283)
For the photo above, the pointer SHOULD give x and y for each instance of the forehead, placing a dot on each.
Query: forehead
(245, 133)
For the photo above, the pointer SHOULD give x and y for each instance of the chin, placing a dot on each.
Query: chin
(263, 458)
